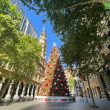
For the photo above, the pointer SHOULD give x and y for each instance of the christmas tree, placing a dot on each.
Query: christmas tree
(55, 82)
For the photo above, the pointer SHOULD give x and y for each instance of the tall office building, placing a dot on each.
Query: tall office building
(26, 26)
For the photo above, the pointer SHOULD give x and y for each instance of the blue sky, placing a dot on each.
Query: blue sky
(36, 21)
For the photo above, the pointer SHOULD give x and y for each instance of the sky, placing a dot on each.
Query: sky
(36, 21)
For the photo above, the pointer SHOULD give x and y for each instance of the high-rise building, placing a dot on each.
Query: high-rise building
(26, 26)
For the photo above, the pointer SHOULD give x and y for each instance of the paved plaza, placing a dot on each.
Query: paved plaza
(80, 104)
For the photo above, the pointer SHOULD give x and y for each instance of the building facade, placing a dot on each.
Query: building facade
(23, 90)
(42, 64)
(95, 87)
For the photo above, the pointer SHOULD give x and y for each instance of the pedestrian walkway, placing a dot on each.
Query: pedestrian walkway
(80, 104)
(102, 104)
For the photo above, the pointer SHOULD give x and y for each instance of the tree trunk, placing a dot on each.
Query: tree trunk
(93, 101)
(85, 92)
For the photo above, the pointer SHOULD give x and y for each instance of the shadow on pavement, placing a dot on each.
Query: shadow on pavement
(50, 106)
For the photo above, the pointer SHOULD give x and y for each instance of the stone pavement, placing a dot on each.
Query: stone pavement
(102, 104)
(80, 104)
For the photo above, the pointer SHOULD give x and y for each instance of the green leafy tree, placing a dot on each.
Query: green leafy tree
(9, 30)
(79, 22)
(71, 83)
(18, 53)
(28, 57)
(8, 38)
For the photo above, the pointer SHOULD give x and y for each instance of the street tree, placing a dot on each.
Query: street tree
(12, 56)
(79, 23)
(27, 58)
(19, 54)
(9, 31)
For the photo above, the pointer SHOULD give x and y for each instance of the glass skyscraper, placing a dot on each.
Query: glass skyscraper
(26, 27)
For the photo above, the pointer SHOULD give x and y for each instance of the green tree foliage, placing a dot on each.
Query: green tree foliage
(18, 53)
(8, 9)
(107, 5)
(71, 82)
(9, 30)
(8, 37)
(27, 58)
(79, 24)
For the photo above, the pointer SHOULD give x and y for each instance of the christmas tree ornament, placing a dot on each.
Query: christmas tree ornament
(46, 84)
(55, 83)
(58, 69)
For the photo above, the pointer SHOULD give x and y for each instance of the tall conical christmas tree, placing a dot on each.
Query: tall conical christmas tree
(55, 82)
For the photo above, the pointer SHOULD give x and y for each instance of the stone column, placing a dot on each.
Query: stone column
(16, 96)
(36, 90)
(23, 91)
(8, 95)
(1, 83)
(28, 91)
(32, 91)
